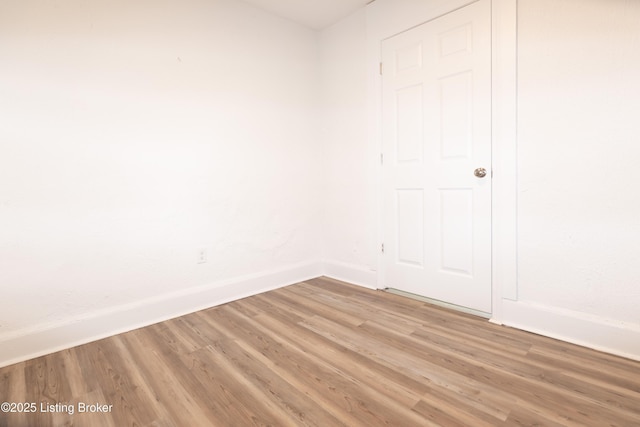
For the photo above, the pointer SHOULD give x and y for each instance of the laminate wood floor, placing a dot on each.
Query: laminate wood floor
(325, 353)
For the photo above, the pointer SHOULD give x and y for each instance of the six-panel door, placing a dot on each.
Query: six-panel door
(436, 133)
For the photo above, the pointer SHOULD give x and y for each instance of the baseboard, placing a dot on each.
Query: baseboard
(357, 275)
(619, 338)
(610, 336)
(44, 339)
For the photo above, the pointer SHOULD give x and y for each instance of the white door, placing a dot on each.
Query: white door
(436, 134)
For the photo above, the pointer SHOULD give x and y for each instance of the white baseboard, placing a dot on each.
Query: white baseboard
(607, 335)
(357, 275)
(44, 339)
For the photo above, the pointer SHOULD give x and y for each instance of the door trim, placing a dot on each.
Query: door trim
(504, 154)
(388, 18)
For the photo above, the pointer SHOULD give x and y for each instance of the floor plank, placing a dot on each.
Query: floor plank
(326, 353)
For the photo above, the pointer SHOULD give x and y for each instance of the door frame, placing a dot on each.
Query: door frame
(387, 18)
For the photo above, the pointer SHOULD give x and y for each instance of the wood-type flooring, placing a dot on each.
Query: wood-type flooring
(324, 353)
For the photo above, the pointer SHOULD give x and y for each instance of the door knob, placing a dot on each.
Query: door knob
(480, 172)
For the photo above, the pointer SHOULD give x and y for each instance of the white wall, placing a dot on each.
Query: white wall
(578, 128)
(135, 133)
(349, 163)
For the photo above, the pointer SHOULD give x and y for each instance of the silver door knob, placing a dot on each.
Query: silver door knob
(480, 172)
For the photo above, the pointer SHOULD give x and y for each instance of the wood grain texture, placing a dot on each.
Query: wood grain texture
(326, 353)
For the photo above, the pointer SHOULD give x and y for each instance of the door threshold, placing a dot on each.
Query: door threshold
(438, 303)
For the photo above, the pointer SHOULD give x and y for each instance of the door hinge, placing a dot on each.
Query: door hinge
(381, 68)
(381, 158)
(382, 248)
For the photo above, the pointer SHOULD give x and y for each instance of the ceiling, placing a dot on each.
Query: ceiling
(316, 14)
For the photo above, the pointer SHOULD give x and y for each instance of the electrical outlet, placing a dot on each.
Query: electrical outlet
(202, 256)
